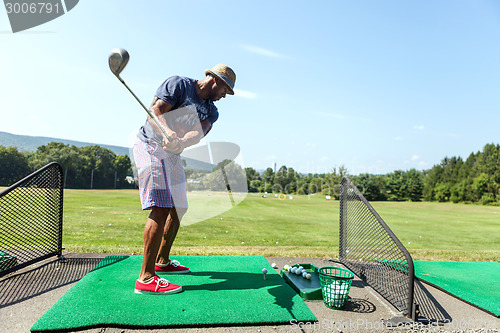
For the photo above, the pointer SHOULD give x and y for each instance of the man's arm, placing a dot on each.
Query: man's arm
(194, 136)
(158, 108)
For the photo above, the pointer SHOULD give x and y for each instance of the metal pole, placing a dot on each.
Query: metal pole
(227, 185)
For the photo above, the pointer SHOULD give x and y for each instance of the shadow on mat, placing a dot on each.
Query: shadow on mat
(283, 299)
(109, 260)
(283, 293)
(37, 281)
(235, 281)
(430, 309)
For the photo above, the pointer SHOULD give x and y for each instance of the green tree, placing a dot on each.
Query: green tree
(268, 180)
(253, 180)
(255, 186)
(415, 185)
(442, 192)
(396, 187)
(123, 167)
(13, 166)
(370, 186)
(331, 181)
(227, 175)
(405, 185)
(66, 155)
(431, 180)
(316, 185)
(480, 186)
(99, 167)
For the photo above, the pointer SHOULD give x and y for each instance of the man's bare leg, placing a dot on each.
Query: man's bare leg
(171, 228)
(153, 232)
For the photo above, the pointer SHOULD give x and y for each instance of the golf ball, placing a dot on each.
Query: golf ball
(293, 270)
(308, 276)
(298, 271)
(264, 270)
(286, 267)
(304, 274)
(274, 265)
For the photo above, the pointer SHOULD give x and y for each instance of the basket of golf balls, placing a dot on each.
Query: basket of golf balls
(335, 285)
(298, 270)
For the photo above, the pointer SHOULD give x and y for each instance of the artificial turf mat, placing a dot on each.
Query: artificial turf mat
(475, 282)
(219, 291)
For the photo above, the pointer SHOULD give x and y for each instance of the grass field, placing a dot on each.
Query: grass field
(112, 221)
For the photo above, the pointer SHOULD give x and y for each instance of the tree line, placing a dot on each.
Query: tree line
(84, 167)
(476, 179)
(396, 186)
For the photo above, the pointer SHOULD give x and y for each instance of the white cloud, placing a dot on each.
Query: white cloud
(262, 51)
(415, 157)
(398, 138)
(245, 94)
(419, 127)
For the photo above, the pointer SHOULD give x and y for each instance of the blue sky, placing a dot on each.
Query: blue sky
(375, 86)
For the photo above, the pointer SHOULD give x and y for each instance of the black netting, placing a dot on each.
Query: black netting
(31, 219)
(371, 250)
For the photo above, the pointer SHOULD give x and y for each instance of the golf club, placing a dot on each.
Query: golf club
(117, 60)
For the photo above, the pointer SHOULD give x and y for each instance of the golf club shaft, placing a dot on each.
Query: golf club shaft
(145, 108)
(227, 186)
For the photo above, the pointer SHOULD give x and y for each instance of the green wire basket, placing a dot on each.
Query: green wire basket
(335, 285)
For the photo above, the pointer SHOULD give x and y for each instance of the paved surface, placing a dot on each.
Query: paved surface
(26, 295)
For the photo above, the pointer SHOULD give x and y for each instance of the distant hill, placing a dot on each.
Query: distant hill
(31, 143)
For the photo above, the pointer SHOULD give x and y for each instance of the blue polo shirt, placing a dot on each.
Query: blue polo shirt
(180, 92)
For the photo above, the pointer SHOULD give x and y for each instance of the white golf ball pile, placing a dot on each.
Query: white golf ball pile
(335, 293)
(298, 271)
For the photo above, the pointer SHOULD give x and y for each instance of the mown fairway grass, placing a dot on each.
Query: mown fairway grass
(112, 221)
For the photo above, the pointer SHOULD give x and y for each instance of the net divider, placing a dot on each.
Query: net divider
(362, 264)
(31, 219)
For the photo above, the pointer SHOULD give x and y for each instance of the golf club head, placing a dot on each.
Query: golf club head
(118, 59)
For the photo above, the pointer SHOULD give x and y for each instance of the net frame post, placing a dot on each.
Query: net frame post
(410, 309)
(55, 174)
(61, 201)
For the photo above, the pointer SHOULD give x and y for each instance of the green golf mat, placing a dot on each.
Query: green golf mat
(219, 291)
(474, 282)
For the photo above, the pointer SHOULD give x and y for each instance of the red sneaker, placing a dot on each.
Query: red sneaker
(157, 286)
(173, 267)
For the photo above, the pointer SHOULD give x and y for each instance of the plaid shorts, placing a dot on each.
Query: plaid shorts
(162, 181)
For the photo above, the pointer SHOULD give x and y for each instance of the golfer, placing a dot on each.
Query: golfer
(185, 109)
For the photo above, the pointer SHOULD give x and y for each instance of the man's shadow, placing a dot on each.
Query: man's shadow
(284, 295)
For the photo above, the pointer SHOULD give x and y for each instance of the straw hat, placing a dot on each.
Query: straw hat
(224, 73)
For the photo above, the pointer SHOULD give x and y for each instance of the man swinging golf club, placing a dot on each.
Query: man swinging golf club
(162, 181)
